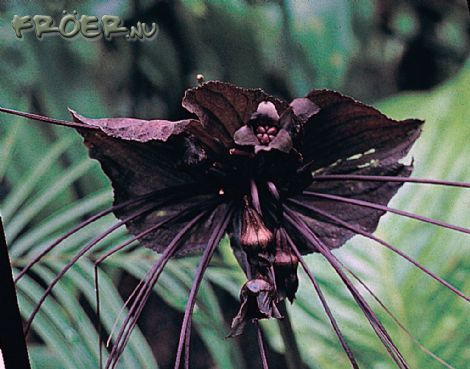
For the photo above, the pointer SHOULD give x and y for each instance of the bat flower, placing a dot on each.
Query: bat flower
(281, 179)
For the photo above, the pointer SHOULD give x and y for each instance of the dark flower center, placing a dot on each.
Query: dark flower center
(265, 133)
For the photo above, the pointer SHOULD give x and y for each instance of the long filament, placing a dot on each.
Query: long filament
(79, 255)
(324, 303)
(375, 323)
(42, 118)
(359, 177)
(216, 235)
(144, 293)
(371, 205)
(130, 202)
(396, 320)
(369, 235)
(117, 249)
(74, 230)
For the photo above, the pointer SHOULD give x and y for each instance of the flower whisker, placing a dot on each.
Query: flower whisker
(144, 293)
(191, 210)
(377, 326)
(42, 118)
(324, 303)
(358, 177)
(217, 232)
(78, 255)
(80, 226)
(384, 208)
(396, 320)
(381, 242)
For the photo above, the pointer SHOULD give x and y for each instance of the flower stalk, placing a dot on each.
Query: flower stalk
(12, 340)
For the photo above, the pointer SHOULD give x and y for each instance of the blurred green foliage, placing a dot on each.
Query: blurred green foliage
(369, 49)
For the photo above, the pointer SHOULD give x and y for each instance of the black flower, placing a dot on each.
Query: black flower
(283, 180)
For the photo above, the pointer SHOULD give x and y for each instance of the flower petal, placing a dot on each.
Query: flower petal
(137, 129)
(245, 136)
(140, 157)
(345, 127)
(223, 108)
(304, 108)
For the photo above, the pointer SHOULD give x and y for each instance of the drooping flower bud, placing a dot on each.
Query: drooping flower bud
(285, 259)
(254, 234)
(285, 269)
